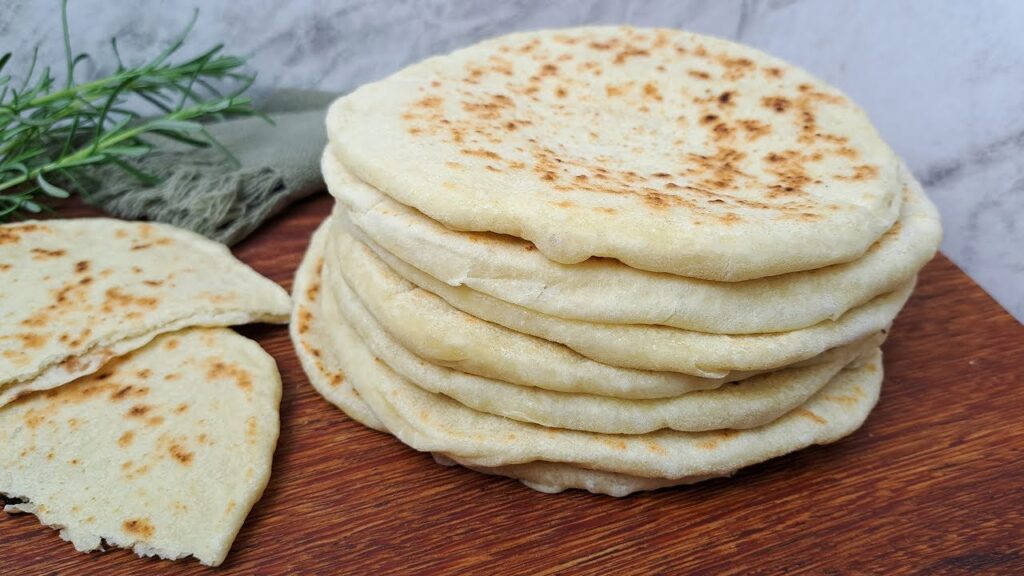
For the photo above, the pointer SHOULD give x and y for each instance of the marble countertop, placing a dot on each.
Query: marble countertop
(943, 80)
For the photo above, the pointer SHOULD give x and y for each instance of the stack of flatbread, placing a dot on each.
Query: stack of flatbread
(607, 258)
(128, 414)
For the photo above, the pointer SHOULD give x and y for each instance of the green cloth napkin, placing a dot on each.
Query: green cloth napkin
(203, 191)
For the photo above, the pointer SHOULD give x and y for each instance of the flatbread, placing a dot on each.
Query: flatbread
(544, 476)
(446, 325)
(555, 477)
(667, 150)
(604, 290)
(434, 423)
(310, 334)
(76, 293)
(164, 451)
(749, 403)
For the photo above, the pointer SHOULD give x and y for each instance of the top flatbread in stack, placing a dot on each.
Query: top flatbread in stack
(76, 293)
(667, 151)
(595, 232)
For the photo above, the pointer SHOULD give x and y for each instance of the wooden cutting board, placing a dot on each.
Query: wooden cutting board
(932, 484)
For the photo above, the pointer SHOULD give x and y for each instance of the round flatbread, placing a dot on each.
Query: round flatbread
(604, 290)
(473, 332)
(434, 423)
(745, 404)
(667, 150)
(310, 334)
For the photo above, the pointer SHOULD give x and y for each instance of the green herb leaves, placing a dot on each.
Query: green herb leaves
(48, 134)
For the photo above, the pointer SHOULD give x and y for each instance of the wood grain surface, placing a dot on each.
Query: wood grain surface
(932, 484)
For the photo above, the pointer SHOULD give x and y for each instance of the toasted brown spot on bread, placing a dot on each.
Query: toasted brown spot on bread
(219, 369)
(630, 52)
(32, 340)
(129, 392)
(251, 428)
(44, 254)
(139, 528)
(805, 413)
(36, 320)
(651, 91)
(12, 234)
(126, 439)
(862, 172)
(777, 103)
(183, 456)
(304, 318)
(138, 411)
(480, 152)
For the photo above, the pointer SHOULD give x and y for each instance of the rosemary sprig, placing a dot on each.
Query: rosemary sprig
(48, 134)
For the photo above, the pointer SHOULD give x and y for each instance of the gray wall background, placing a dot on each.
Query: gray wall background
(943, 79)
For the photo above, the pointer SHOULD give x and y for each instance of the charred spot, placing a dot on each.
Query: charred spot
(612, 90)
(428, 102)
(699, 74)
(804, 412)
(218, 369)
(128, 392)
(651, 91)
(82, 266)
(139, 528)
(36, 320)
(481, 153)
(139, 410)
(776, 103)
(630, 52)
(603, 45)
(126, 439)
(721, 131)
(725, 98)
(44, 254)
(754, 129)
(709, 118)
(862, 172)
(183, 456)
(32, 340)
